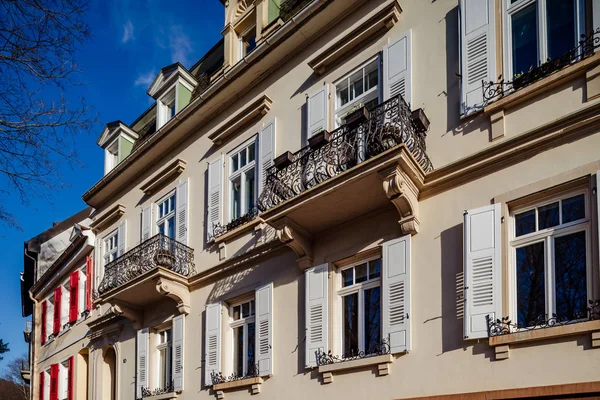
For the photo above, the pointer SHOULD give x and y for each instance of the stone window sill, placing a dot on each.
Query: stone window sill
(164, 396)
(502, 343)
(383, 364)
(252, 383)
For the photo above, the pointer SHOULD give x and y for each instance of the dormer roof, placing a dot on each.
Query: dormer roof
(167, 76)
(114, 129)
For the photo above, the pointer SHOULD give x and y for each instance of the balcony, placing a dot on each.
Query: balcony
(158, 266)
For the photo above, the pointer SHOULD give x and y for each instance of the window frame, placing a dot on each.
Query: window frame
(165, 218)
(112, 154)
(547, 236)
(241, 174)
(359, 288)
(163, 102)
(242, 43)
(65, 304)
(167, 347)
(114, 234)
(242, 322)
(63, 381)
(82, 289)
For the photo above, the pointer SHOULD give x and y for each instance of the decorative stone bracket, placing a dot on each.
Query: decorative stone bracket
(177, 292)
(403, 194)
(251, 383)
(297, 239)
(382, 362)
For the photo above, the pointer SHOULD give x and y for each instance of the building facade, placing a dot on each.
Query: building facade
(354, 199)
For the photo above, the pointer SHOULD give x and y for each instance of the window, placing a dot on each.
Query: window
(540, 30)
(358, 88)
(360, 300)
(243, 333)
(165, 221)
(65, 301)
(247, 41)
(112, 155)
(64, 380)
(166, 108)
(164, 350)
(242, 180)
(82, 291)
(49, 316)
(111, 247)
(550, 252)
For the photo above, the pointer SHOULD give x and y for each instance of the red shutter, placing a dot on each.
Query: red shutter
(74, 289)
(70, 372)
(57, 297)
(41, 387)
(43, 323)
(88, 283)
(54, 382)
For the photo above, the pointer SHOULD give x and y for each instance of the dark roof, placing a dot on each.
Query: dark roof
(34, 243)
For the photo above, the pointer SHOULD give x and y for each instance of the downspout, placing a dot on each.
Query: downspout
(33, 340)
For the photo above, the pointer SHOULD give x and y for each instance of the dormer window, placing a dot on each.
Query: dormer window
(247, 41)
(112, 155)
(117, 141)
(166, 107)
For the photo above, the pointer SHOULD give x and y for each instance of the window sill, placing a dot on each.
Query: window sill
(164, 396)
(382, 362)
(253, 383)
(240, 230)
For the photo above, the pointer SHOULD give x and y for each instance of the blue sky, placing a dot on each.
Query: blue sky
(131, 41)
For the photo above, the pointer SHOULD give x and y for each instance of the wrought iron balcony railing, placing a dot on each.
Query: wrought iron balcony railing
(159, 250)
(220, 230)
(379, 348)
(218, 377)
(386, 126)
(586, 47)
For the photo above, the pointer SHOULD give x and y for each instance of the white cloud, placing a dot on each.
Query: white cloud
(127, 32)
(145, 79)
(180, 45)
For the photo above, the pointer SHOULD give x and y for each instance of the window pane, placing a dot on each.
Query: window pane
(350, 310)
(525, 223)
(524, 40)
(238, 351)
(347, 278)
(172, 203)
(372, 319)
(163, 363)
(236, 313)
(243, 158)
(548, 216)
(374, 269)
(251, 342)
(561, 27)
(236, 190)
(252, 307)
(343, 96)
(530, 284)
(234, 163)
(245, 310)
(570, 270)
(573, 209)
(371, 79)
(249, 190)
(251, 151)
(171, 232)
(161, 228)
(360, 273)
(160, 210)
(357, 84)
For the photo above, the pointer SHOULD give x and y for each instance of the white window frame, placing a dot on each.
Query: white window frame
(165, 218)
(366, 96)
(163, 112)
(360, 289)
(112, 151)
(49, 317)
(242, 322)
(241, 42)
(81, 300)
(65, 299)
(108, 252)
(546, 236)
(241, 174)
(167, 347)
(511, 9)
(46, 388)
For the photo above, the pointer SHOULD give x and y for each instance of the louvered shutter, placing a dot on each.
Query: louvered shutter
(89, 270)
(81, 296)
(318, 111)
(483, 279)
(181, 197)
(215, 197)
(264, 326)
(178, 342)
(98, 263)
(316, 312)
(65, 305)
(54, 382)
(70, 371)
(212, 336)
(74, 296)
(43, 322)
(397, 68)
(146, 222)
(122, 233)
(142, 361)
(478, 51)
(49, 321)
(57, 306)
(395, 282)
(266, 144)
(41, 386)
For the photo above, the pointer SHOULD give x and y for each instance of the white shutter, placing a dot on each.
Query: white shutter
(395, 282)
(122, 234)
(316, 312)
(98, 264)
(397, 68)
(178, 342)
(146, 222)
(81, 298)
(65, 302)
(264, 326)
(49, 318)
(62, 381)
(181, 197)
(477, 50)
(142, 361)
(46, 386)
(482, 275)
(266, 151)
(215, 197)
(318, 111)
(212, 358)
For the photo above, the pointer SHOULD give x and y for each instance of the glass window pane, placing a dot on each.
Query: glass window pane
(343, 96)
(250, 189)
(243, 158)
(350, 315)
(374, 269)
(360, 273)
(251, 342)
(238, 351)
(236, 190)
(561, 27)
(548, 216)
(357, 84)
(234, 163)
(573, 209)
(347, 277)
(371, 79)
(236, 313)
(160, 210)
(372, 317)
(246, 310)
(525, 223)
(530, 284)
(251, 151)
(171, 232)
(161, 228)
(524, 40)
(570, 270)
(172, 203)
(252, 307)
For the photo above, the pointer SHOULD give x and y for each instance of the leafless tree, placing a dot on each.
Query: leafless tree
(13, 374)
(38, 126)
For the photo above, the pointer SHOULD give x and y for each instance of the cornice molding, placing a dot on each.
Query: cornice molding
(163, 176)
(108, 217)
(245, 117)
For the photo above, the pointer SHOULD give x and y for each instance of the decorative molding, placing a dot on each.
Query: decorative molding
(382, 362)
(163, 176)
(114, 129)
(112, 215)
(245, 117)
(297, 239)
(252, 383)
(404, 195)
(175, 291)
(169, 75)
(383, 20)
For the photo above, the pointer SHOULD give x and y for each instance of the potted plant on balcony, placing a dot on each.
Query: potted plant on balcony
(319, 139)
(356, 115)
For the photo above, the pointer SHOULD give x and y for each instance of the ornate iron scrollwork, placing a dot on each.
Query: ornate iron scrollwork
(170, 388)
(379, 348)
(159, 250)
(218, 377)
(220, 230)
